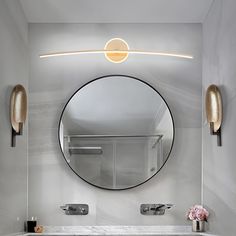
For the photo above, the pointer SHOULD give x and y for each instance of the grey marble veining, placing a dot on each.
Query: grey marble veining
(117, 230)
(120, 230)
(13, 161)
(173, 78)
(52, 82)
(219, 176)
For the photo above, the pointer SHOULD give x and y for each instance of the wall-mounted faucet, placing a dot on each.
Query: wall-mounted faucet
(75, 209)
(154, 209)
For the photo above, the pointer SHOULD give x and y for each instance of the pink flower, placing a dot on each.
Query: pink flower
(200, 214)
(197, 212)
(192, 215)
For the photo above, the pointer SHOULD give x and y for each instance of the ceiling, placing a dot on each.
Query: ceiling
(116, 11)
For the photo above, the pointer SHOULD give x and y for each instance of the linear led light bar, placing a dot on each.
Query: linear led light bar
(116, 50)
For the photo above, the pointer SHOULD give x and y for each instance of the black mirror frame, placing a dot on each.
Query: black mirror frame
(130, 77)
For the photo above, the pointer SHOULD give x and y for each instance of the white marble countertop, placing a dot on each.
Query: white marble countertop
(118, 230)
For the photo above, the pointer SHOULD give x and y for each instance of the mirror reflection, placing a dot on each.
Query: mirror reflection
(116, 132)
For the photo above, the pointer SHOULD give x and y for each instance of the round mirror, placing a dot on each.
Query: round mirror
(116, 132)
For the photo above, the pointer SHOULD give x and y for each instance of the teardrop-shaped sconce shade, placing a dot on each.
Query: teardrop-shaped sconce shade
(214, 110)
(18, 110)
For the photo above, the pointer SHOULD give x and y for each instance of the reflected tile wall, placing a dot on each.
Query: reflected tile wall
(52, 81)
(219, 185)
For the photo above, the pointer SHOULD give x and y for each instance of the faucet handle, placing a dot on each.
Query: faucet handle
(154, 209)
(75, 209)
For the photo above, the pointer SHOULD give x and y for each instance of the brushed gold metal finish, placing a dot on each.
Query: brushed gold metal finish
(214, 111)
(117, 45)
(214, 107)
(18, 110)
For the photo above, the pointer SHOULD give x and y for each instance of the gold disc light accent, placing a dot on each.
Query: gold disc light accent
(116, 44)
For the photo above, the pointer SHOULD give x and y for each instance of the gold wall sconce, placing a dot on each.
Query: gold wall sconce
(18, 112)
(214, 111)
(116, 50)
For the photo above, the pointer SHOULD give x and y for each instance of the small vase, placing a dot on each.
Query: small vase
(198, 225)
